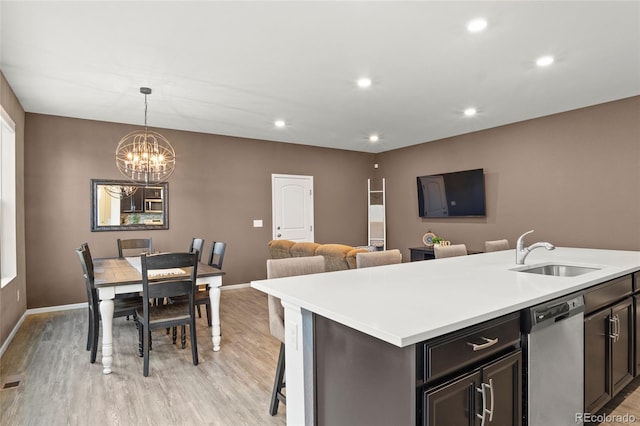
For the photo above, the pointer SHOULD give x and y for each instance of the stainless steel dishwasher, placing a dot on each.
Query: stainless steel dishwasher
(554, 362)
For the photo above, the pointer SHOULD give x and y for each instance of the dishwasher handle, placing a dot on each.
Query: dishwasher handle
(546, 314)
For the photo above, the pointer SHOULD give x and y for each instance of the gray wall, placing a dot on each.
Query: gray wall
(220, 185)
(11, 309)
(573, 177)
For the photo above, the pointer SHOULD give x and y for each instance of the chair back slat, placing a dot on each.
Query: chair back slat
(197, 244)
(449, 251)
(135, 243)
(171, 288)
(216, 255)
(496, 245)
(378, 258)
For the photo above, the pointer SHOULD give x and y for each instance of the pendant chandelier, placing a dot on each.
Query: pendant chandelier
(120, 191)
(143, 156)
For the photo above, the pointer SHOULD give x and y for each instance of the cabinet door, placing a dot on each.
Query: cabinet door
(453, 404)
(504, 377)
(134, 203)
(622, 344)
(597, 383)
(637, 329)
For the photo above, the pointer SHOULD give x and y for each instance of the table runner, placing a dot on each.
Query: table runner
(135, 262)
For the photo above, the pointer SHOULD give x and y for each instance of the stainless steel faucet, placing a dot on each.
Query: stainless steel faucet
(522, 251)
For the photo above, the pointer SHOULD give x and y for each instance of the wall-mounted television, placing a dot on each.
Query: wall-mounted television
(456, 194)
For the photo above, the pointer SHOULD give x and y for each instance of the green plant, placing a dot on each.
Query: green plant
(437, 240)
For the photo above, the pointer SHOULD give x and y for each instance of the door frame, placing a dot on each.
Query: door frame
(308, 178)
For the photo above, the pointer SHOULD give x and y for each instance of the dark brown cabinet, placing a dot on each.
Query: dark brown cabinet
(133, 203)
(421, 253)
(153, 192)
(473, 374)
(636, 298)
(492, 392)
(609, 342)
(636, 313)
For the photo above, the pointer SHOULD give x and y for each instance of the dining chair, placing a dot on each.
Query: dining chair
(216, 257)
(161, 280)
(197, 244)
(378, 258)
(145, 244)
(278, 268)
(122, 306)
(496, 245)
(449, 251)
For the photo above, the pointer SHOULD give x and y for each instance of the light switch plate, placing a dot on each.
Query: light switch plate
(257, 223)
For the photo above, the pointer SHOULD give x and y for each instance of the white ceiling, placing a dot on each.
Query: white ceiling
(232, 68)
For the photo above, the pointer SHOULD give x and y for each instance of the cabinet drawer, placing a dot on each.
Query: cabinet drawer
(636, 282)
(607, 293)
(453, 352)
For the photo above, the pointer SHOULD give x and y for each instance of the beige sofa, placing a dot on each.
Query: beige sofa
(337, 256)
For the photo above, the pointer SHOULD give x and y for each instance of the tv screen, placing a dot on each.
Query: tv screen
(456, 194)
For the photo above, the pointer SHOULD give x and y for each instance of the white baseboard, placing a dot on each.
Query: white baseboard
(56, 308)
(6, 343)
(234, 286)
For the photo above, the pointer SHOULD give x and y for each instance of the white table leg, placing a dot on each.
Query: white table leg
(106, 311)
(214, 296)
(298, 344)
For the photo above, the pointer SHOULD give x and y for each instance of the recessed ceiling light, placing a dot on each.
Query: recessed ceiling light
(374, 138)
(469, 112)
(477, 25)
(279, 123)
(544, 61)
(364, 82)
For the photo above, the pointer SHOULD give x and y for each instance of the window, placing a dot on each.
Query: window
(8, 249)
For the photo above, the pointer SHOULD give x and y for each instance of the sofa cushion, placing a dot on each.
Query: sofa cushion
(304, 249)
(280, 249)
(335, 256)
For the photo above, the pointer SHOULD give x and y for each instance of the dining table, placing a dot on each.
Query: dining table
(118, 275)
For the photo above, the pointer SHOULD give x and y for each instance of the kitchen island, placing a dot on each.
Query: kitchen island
(403, 305)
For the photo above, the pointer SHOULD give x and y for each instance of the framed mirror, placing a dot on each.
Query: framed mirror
(120, 205)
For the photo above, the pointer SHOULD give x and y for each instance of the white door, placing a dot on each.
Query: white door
(436, 202)
(292, 201)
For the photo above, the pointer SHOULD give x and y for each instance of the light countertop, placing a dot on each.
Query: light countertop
(407, 303)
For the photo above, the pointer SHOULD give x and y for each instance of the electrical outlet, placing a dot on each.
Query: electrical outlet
(18, 295)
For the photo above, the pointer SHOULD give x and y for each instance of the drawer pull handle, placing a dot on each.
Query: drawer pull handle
(488, 343)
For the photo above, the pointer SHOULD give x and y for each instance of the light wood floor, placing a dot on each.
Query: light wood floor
(58, 385)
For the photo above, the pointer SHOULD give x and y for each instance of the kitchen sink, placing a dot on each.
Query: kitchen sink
(558, 270)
